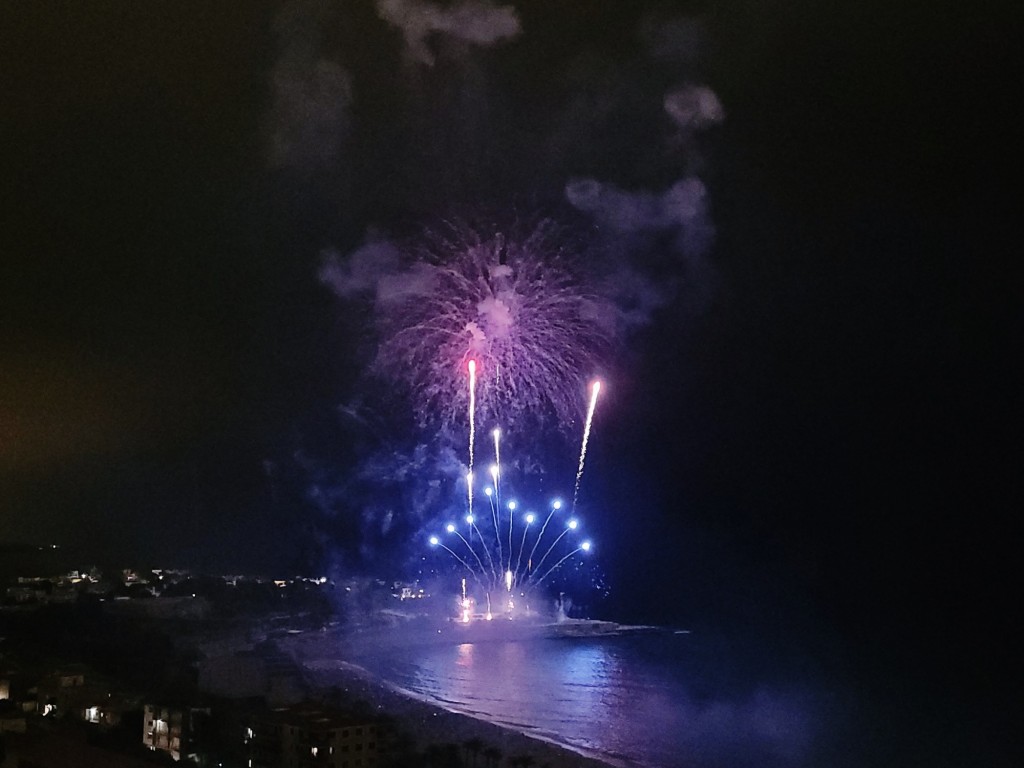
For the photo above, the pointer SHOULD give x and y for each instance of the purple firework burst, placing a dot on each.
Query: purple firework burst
(522, 308)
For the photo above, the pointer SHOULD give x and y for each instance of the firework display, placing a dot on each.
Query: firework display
(511, 572)
(484, 331)
(521, 316)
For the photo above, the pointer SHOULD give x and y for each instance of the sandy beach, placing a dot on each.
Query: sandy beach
(427, 723)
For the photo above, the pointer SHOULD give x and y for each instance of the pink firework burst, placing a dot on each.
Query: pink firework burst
(523, 309)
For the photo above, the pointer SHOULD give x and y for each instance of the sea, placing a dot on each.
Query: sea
(657, 698)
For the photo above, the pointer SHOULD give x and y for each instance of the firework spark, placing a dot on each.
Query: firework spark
(525, 311)
(472, 410)
(497, 448)
(595, 391)
(504, 569)
(472, 429)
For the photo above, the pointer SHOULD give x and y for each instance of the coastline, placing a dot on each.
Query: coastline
(428, 722)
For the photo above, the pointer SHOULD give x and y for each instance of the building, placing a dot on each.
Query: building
(68, 691)
(30, 590)
(75, 692)
(176, 730)
(57, 744)
(19, 690)
(109, 711)
(314, 736)
(12, 721)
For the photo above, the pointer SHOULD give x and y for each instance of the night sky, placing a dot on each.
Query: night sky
(818, 425)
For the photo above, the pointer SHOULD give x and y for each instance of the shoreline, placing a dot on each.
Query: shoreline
(428, 722)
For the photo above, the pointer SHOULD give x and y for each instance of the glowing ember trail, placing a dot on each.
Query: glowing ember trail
(497, 450)
(595, 391)
(496, 468)
(472, 430)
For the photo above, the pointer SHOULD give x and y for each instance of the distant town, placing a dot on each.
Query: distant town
(134, 667)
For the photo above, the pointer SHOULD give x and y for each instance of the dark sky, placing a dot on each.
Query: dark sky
(822, 424)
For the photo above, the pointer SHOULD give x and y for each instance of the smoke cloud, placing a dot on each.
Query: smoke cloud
(361, 271)
(646, 224)
(434, 298)
(311, 96)
(693, 107)
(477, 23)
(678, 39)
(682, 205)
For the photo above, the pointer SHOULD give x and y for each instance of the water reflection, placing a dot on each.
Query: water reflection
(649, 703)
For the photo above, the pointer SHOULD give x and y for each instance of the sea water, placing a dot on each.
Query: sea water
(658, 699)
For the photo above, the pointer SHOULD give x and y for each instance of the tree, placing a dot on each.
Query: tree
(442, 756)
(493, 756)
(473, 747)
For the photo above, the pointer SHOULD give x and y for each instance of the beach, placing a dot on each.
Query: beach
(426, 723)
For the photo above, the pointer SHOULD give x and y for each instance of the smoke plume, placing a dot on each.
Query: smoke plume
(311, 95)
(477, 23)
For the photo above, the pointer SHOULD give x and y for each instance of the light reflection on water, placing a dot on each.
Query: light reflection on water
(645, 700)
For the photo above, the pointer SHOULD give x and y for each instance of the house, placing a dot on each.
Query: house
(68, 690)
(12, 721)
(311, 735)
(17, 689)
(107, 711)
(57, 744)
(177, 730)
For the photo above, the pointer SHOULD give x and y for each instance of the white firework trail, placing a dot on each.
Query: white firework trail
(530, 517)
(595, 391)
(472, 429)
(495, 513)
(434, 541)
(496, 468)
(483, 543)
(555, 506)
(452, 529)
(585, 547)
(511, 517)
